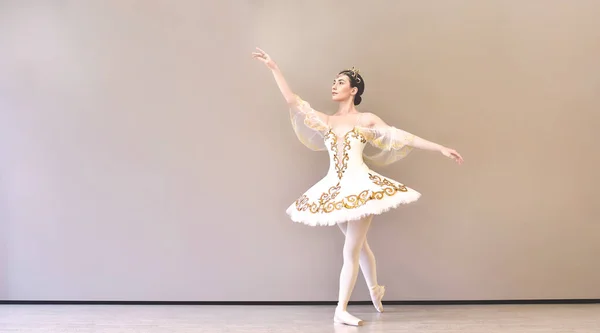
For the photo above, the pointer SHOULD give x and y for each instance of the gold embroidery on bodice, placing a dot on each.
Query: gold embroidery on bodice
(347, 145)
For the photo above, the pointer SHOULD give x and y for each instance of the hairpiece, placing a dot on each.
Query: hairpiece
(355, 72)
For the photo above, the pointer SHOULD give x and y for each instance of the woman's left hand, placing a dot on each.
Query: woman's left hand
(451, 153)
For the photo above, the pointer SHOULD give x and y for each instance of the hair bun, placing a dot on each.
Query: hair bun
(357, 99)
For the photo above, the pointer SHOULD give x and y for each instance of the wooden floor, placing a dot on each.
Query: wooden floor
(300, 319)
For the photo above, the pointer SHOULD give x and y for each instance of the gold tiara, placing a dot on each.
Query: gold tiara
(355, 71)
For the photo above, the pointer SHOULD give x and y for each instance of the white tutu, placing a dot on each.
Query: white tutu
(350, 190)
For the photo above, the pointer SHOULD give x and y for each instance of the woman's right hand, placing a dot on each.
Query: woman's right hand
(265, 58)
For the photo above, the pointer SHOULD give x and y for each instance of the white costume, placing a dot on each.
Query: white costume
(350, 190)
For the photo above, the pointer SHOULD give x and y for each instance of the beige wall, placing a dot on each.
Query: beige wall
(134, 165)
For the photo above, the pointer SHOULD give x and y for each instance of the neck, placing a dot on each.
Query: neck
(346, 107)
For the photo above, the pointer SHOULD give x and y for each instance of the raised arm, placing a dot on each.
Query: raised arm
(287, 93)
(389, 138)
(309, 124)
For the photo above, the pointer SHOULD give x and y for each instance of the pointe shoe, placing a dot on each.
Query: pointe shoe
(377, 293)
(343, 317)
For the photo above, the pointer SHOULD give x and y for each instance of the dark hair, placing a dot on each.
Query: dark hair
(355, 81)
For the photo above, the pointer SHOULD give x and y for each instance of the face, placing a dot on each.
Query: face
(341, 89)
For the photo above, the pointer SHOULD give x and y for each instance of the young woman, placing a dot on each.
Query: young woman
(350, 193)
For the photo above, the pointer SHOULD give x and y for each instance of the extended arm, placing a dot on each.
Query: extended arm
(399, 138)
(309, 124)
(290, 97)
(421, 143)
(287, 93)
(414, 141)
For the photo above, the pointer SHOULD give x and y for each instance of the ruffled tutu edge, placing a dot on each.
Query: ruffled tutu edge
(374, 207)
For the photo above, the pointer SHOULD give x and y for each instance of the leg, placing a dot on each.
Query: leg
(366, 260)
(356, 234)
(368, 266)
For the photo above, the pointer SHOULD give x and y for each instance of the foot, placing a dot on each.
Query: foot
(376, 296)
(343, 317)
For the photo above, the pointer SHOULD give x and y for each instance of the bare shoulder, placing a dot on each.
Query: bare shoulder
(369, 119)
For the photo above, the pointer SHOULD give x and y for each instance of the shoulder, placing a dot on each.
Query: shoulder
(369, 119)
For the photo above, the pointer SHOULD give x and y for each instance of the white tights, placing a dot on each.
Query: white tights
(356, 252)
(366, 258)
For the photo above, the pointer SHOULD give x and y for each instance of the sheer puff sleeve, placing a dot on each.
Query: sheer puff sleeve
(309, 125)
(391, 143)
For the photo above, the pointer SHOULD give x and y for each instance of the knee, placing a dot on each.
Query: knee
(352, 252)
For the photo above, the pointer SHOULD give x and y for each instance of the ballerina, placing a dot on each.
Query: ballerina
(350, 193)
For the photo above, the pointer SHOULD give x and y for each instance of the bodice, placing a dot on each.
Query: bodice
(345, 152)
